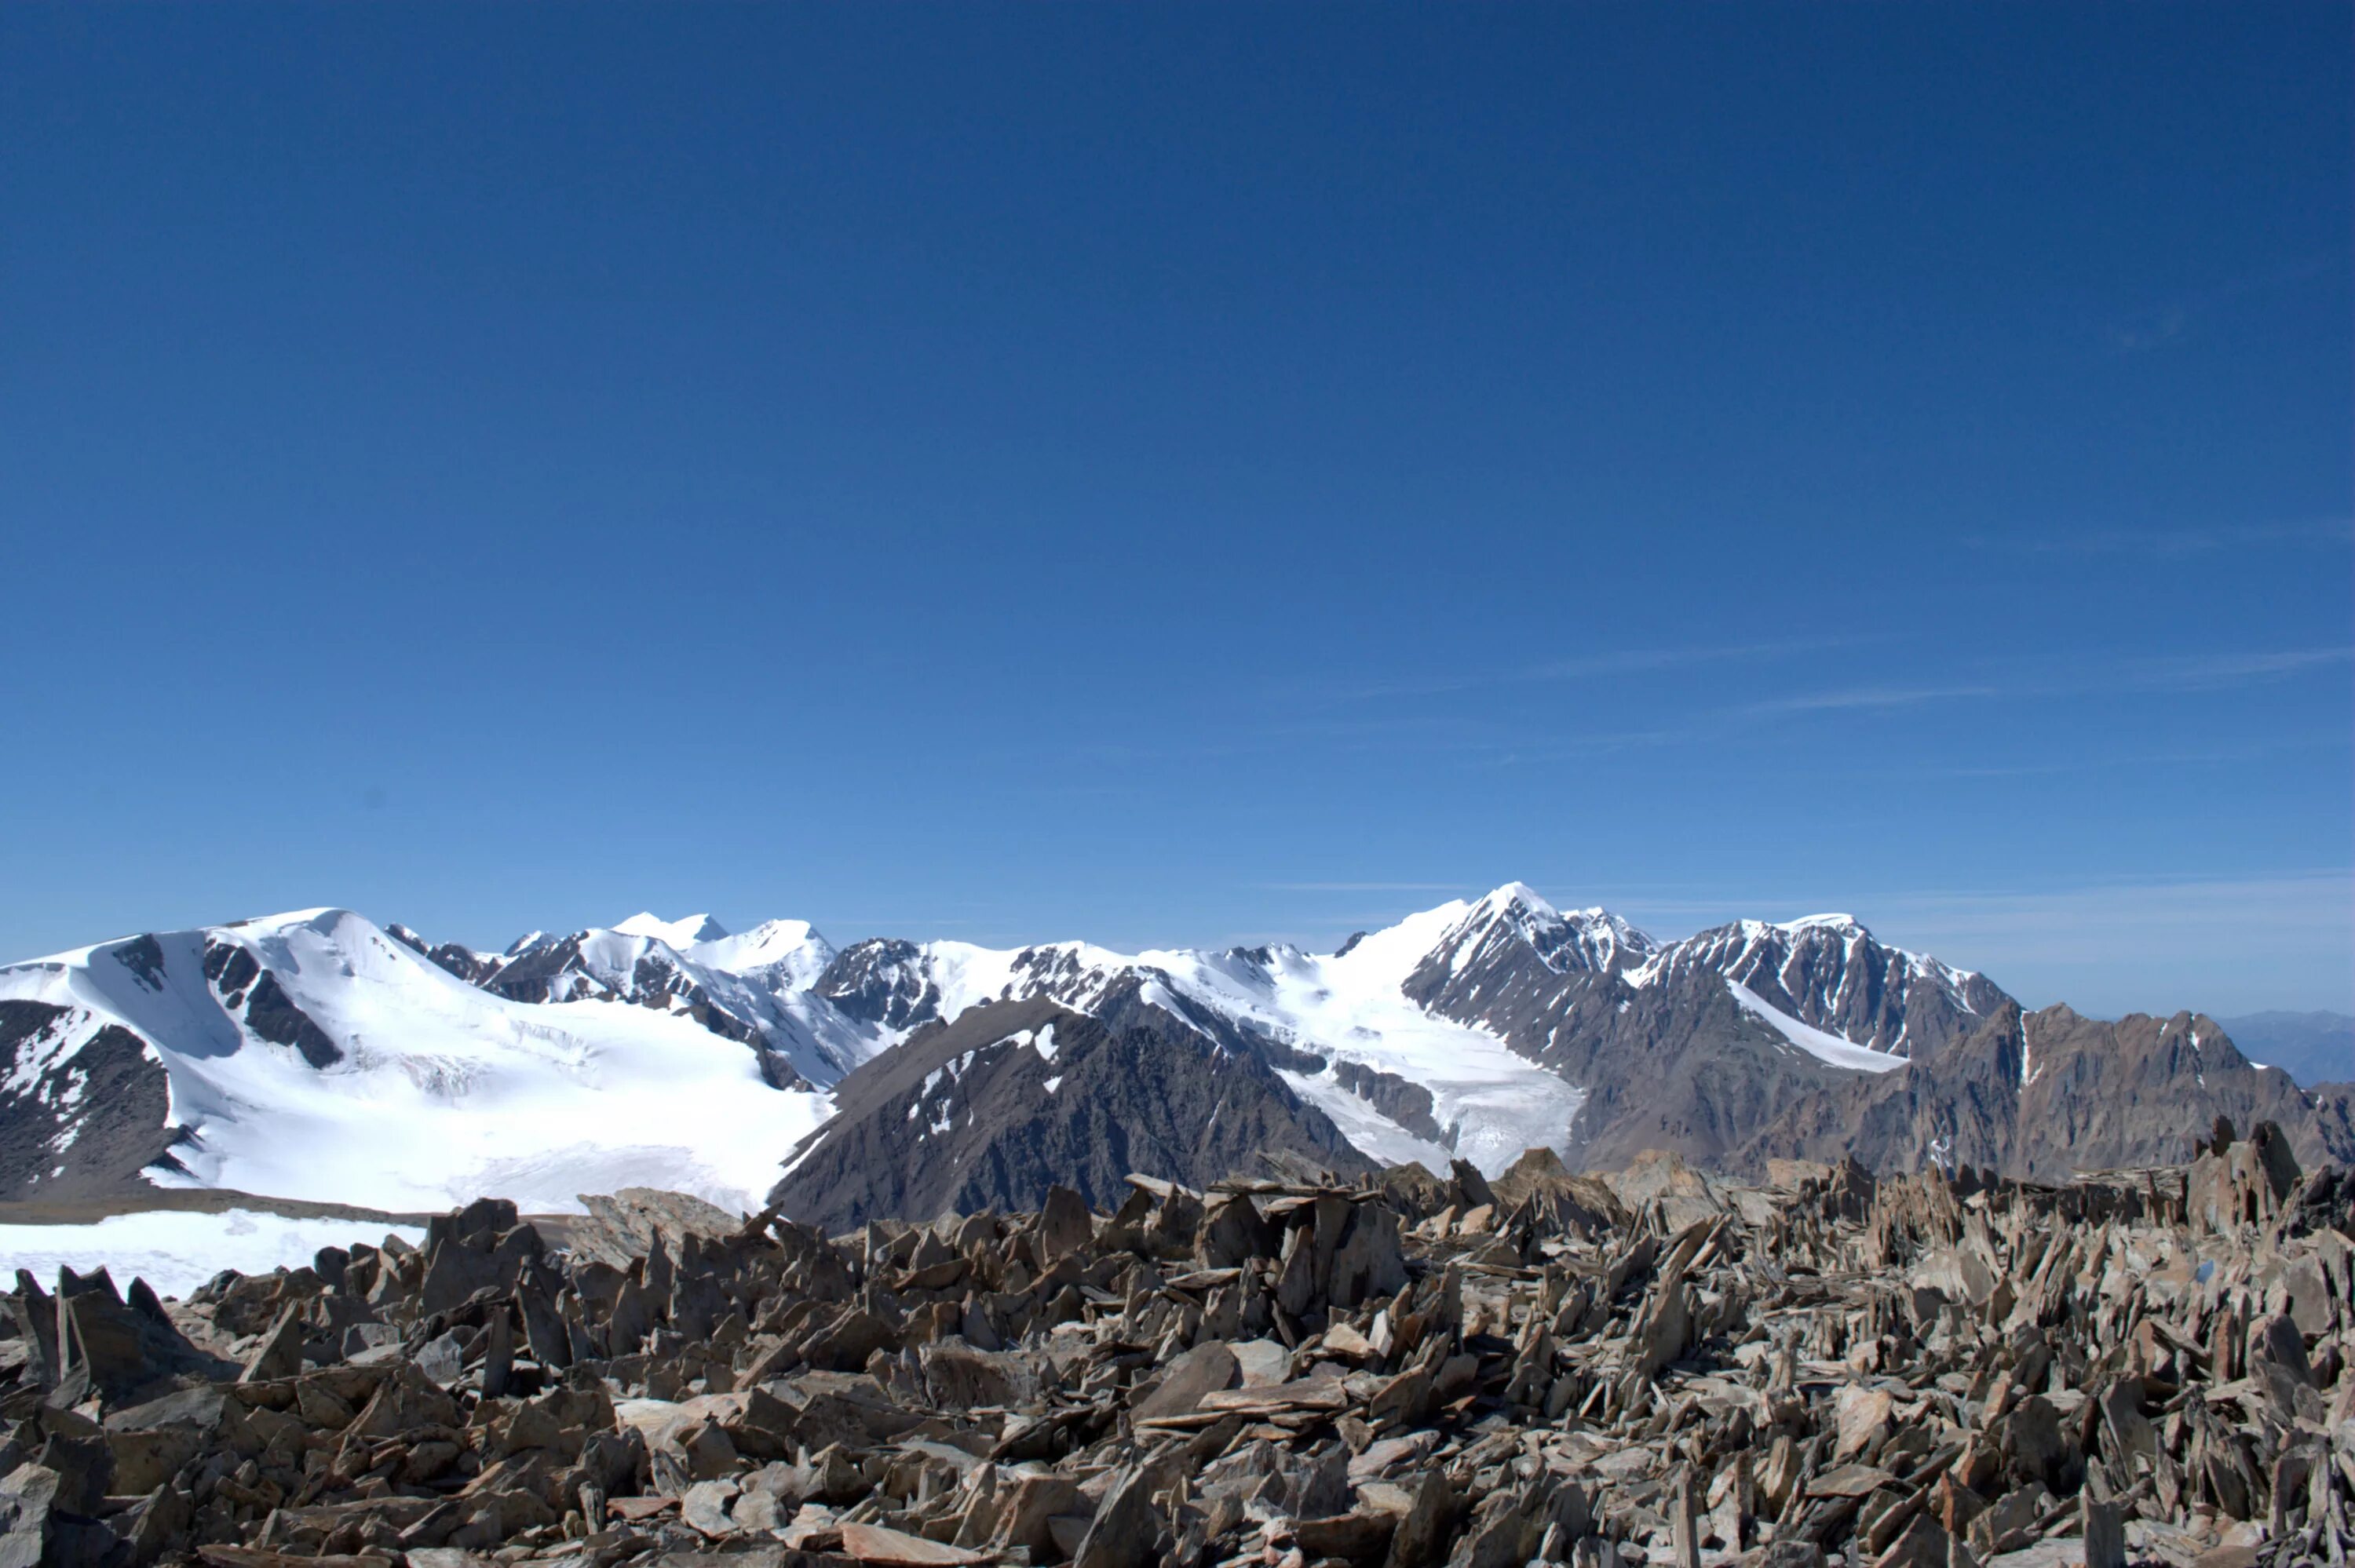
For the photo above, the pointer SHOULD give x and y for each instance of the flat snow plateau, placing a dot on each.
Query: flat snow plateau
(176, 1250)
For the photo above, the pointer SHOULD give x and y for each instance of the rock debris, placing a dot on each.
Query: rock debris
(1654, 1367)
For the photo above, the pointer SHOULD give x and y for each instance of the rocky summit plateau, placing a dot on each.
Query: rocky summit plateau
(1943, 1369)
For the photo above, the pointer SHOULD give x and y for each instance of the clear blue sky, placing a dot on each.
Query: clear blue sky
(1188, 475)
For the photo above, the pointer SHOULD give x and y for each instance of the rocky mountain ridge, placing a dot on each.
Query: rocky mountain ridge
(1477, 1029)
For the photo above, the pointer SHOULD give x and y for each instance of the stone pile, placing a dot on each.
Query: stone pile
(1655, 1367)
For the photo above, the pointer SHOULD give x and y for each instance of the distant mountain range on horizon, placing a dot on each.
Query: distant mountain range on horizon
(319, 1055)
(2312, 1047)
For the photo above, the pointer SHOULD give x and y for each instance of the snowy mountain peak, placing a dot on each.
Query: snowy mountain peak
(681, 934)
(1829, 973)
(791, 948)
(1586, 939)
(1517, 895)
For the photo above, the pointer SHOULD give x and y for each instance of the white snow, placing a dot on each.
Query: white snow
(677, 933)
(820, 1042)
(445, 1092)
(789, 949)
(1350, 1008)
(174, 1250)
(1369, 1131)
(1814, 1042)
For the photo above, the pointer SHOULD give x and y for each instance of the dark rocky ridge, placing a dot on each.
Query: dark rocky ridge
(83, 1127)
(881, 981)
(1674, 1064)
(2041, 1095)
(1409, 1105)
(1838, 979)
(969, 1114)
(1653, 1034)
(474, 968)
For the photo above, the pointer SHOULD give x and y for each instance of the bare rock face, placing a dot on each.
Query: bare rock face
(76, 1123)
(2046, 1094)
(626, 1224)
(1017, 1097)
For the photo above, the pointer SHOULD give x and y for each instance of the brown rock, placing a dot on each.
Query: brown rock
(896, 1549)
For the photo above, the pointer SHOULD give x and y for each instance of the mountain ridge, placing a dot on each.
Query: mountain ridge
(1474, 1030)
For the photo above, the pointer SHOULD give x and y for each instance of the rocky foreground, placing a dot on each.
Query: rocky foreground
(1654, 1367)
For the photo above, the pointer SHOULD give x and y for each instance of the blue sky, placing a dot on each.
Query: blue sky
(1189, 475)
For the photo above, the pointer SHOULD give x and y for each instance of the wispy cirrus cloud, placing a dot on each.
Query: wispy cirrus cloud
(1362, 886)
(1599, 664)
(2165, 543)
(2169, 323)
(1854, 698)
(2253, 941)
(2187, 672)
(2213, 672)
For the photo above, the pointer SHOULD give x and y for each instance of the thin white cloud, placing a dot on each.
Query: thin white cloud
(2210, 672)
(1860, 698)
(2170, 323)
(1362, 886)
(2221, 945)
(2180, 673)
(1583, 667)
(2172, 542)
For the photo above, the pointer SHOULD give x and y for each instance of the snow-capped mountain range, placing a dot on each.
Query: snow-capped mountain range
(316, 1055)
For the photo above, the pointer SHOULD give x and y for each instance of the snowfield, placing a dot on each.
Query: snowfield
(445, 1092)
(174, 1251)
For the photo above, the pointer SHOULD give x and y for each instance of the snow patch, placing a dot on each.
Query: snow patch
(1814, 1042)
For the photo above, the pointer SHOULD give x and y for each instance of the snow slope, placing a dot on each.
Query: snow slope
(790, 950)
(760, 979)
(1819, 1044)
(438, 1091)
